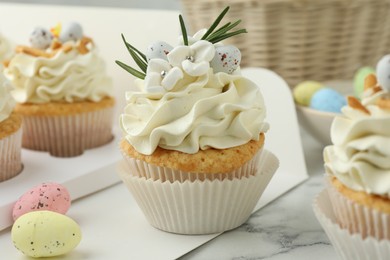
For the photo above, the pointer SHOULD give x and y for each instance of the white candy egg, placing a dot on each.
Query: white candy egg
(41, 38)
(226, 59)
(158, 50)
(383, 72)
(45, 234)
(71, 32)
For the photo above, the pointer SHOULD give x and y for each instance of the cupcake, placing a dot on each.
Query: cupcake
(193, 134)
(10, 136)
(62, 91)
(358, 165)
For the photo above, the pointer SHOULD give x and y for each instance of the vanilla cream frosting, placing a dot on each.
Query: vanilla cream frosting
(7, 103)
(360, 154)
(212, 110)
(67, 76)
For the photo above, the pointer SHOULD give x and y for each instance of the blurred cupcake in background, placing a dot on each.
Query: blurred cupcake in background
(358, 172)
(62, 91)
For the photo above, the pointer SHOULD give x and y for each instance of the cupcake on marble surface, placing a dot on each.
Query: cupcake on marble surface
(358, 170)
(194, 135)
(62, 91)
(10, 136)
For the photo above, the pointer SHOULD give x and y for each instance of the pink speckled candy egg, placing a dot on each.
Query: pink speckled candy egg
(47, 196)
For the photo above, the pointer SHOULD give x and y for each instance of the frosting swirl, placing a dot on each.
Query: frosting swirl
(7, 103)
(67, 76)
(360, 156)
(210, 111)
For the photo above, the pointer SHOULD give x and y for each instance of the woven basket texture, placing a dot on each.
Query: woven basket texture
(302, 39)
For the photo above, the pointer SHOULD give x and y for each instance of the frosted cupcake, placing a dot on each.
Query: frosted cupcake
(62, 91)
(359, 163)
(10, 136)
(358, 168)
(193, 135)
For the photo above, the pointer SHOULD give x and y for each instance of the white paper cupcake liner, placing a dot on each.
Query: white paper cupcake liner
(142, 169)
(200, 207)
(67, 135)
(348, 246)
(358, 218)
(10, 155)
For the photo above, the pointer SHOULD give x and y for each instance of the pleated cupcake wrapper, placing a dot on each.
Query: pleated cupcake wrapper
(348, 246)
(10, 155)
(357, 218)
(67, 135)
(200, 207)
(141, 169)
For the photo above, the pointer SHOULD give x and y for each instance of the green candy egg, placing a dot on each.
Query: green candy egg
(45, 234)
(305, 90)
(358, 80)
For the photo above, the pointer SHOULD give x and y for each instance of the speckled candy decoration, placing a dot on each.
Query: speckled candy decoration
(45, 234)
(71, 32)
(41, 38)
(47, 196)
(328, 100)
(158, 50)
(226, 59)
(383, 72)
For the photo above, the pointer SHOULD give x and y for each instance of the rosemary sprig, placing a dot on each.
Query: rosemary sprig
(138, 57)
(228, 35)
(183, 30)
(131, 70)
(223, 32)
(215, 23)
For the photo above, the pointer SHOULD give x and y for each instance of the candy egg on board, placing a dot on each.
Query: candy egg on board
(46, 196)
(41, 38)
(383, 72)
(158, 50)
(328, 100)
(226, 59)
(71, 32)
(45, 234)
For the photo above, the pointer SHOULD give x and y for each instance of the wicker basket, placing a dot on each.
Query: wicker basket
(303, 39)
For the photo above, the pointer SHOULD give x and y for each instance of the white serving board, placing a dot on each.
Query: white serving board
(112, 224)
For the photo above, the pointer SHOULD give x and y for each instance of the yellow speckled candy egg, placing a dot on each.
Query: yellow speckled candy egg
(45, 234)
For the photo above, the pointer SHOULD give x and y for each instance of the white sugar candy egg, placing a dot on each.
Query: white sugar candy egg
(158, 50)
(383, 72)
(41, 38)
(45, 234)
(226, 59)
(71, 32)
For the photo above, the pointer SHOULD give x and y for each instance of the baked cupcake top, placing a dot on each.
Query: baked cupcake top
(192, 96)
(360, 154)
(60, 64)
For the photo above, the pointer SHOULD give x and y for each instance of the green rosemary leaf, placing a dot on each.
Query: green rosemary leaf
(128, 45)
(141, 64)
(215, 23)
(228, 35)
(219, 30)
(183, 30)
(223, 30)
(131, 70)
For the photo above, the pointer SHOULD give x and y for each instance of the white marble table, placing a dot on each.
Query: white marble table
(285, 229)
